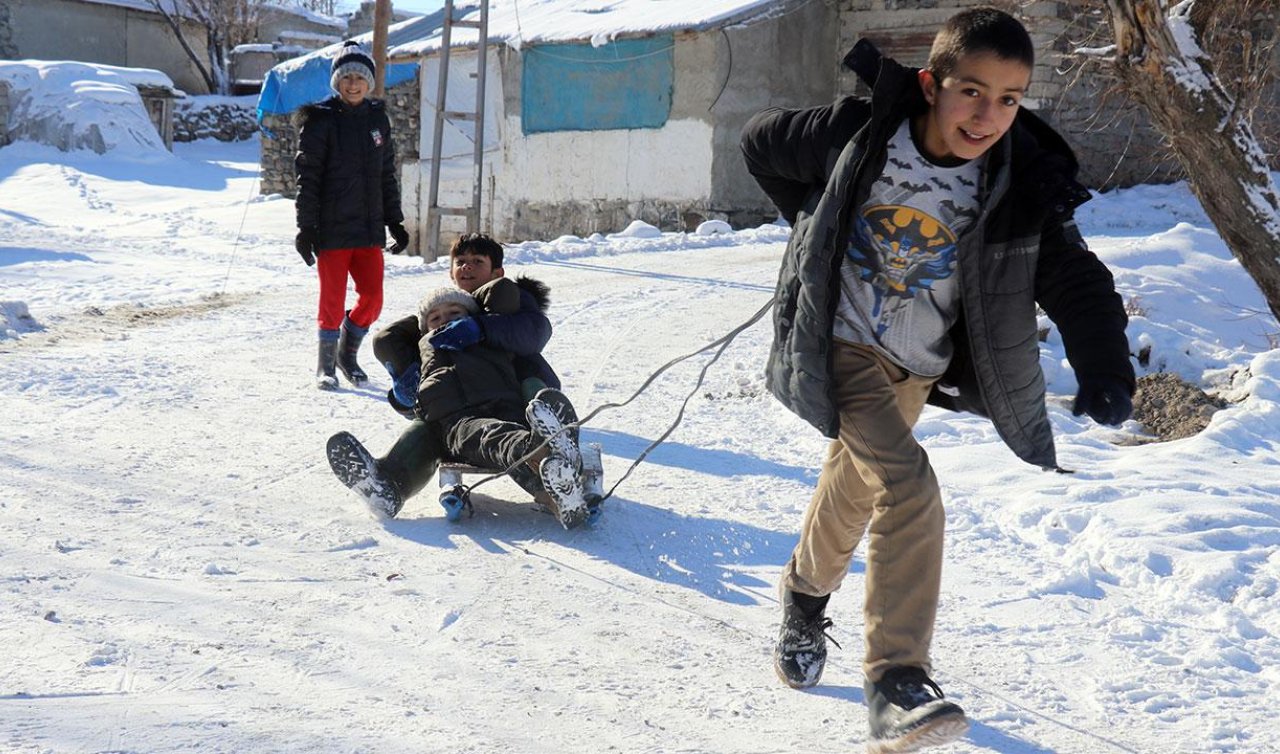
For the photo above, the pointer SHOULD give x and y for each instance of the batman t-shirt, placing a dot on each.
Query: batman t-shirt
(898, 291)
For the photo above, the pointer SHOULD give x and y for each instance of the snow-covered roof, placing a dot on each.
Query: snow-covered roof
(526, 22)
(305, 79)
(73, 105)
(320, 19)
(254, 47)
(179, 6)
(310, 36)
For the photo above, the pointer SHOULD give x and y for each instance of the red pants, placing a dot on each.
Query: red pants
(365, 267)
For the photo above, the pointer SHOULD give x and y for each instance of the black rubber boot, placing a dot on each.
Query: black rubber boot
(413, 459)
(361, 473)
(348, 346)
(326, 377)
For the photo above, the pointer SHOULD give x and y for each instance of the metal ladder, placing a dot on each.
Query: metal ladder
(435, 212)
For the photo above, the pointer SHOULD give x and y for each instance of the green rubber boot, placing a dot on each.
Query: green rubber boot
(413, 459)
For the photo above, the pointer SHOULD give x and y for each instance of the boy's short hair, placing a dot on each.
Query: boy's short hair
(478, 243)
(983, 29)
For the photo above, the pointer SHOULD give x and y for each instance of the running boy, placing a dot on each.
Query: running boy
(347, 192)
(929, 221)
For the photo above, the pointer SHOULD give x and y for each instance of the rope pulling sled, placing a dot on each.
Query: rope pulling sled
(456, 496)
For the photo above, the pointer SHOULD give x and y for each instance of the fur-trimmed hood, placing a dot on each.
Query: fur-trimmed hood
(332, 106)
(540, 291)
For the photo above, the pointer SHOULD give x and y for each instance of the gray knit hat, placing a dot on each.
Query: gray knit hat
(351, 60)
(441, 296)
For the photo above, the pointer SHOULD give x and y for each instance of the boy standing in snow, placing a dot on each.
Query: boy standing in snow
(471, 401)
(929, 221)
(347, 194)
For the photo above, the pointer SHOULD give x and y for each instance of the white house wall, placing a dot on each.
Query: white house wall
(668, 165)
(545, 184)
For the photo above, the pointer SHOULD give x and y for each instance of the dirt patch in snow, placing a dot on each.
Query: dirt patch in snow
(1171, 408)
(95, 322)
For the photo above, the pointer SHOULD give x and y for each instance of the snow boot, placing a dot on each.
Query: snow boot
(356, 468)
(348, 346)
(561, 470)
(801, 652)
(907, 712)
(412, 460)
(326, 376)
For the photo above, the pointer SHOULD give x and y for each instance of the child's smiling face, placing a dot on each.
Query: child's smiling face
(470, 271)
(971, 108)
(353, 89)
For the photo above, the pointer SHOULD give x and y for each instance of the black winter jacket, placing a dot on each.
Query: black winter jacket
(346, 172)
(473, 378)
(524, 333)
(817, 165)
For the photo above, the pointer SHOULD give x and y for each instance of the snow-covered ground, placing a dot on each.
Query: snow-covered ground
(182, 572)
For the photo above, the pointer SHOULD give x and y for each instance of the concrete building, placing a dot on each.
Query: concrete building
(595, 117)
(127, 33)
(283, 33)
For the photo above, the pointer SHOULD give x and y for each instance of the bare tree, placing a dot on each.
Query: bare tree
(226, 23)
(1205, 117)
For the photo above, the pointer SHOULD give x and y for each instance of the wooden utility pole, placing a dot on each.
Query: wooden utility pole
(381, 19)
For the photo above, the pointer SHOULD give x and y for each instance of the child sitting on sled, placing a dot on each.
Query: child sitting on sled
(472, 400)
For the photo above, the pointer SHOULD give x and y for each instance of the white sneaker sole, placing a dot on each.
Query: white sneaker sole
(545, 424)
(563, 482)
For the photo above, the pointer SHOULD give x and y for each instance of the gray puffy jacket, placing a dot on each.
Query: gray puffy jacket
(817, 165)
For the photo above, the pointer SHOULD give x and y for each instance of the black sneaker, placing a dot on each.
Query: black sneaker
(801, 652)
(907, 712)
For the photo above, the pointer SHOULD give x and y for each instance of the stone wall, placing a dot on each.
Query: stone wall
(224, 121)
(279, 148)
(8, 47)
(4, 113)
(1112, 138)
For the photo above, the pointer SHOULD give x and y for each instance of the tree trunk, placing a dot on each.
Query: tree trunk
(175, 24)
(218, 64)
(1212, 140)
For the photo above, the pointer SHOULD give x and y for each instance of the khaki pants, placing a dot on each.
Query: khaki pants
(877, 474)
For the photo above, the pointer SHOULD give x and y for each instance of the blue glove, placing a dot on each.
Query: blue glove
(1106, 400)
(405, 388)
(457, 335)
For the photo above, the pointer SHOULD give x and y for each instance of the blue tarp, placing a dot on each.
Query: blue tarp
(576, 87)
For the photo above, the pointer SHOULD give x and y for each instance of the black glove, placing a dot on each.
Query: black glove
(1106, 400)
(305, 243)
(401, 237)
